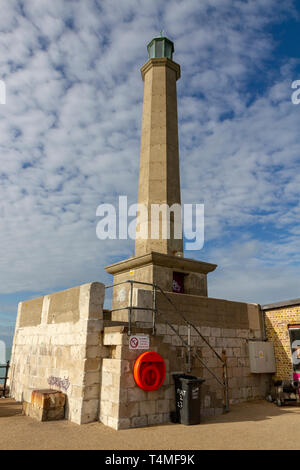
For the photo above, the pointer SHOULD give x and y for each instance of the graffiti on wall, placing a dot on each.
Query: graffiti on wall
(63, 384)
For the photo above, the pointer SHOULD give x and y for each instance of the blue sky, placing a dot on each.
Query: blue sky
(70, 135)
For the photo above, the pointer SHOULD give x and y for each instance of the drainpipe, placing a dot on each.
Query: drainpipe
(263, 324)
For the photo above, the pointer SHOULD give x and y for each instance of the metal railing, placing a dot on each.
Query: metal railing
(4, 389)
(190, 326)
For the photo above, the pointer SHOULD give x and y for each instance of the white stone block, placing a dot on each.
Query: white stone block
(161, 328)
(124, 423)
(167, 339)
(215, 331)
(176, 341)
(91, 378)
(183, 330)
(111, 365)
(107, 378)
(93, 351)
(242, 333)
(113, 422)
(147, 407)
(105, 408)
(229, 333)
(139, 421)
(162, 406)
(112, 338)
(205, 330)
(78, 352)
(155, 419)
(136, 394)
(90, 411)
(94, 326)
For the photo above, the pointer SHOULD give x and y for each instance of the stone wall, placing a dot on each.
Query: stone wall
(228, 326)
(58, 345)
(277, 321)
(62, 342)
(123, 403)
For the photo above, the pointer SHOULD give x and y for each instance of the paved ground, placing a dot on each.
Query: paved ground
(255, 425)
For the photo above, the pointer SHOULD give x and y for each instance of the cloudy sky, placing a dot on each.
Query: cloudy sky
(70, 136)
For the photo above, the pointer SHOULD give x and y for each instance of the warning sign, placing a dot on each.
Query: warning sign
(139, 342)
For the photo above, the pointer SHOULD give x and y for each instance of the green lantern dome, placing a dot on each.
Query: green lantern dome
(160, 47)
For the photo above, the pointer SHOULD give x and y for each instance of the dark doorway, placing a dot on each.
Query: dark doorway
(178, 283)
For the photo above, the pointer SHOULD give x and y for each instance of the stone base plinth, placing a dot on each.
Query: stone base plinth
(157, 268)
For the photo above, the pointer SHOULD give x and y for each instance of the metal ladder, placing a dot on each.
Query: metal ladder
(190, 326)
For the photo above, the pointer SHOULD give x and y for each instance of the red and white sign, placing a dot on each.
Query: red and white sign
(139, 342)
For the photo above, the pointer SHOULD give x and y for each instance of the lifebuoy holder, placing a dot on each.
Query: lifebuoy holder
(149, 371)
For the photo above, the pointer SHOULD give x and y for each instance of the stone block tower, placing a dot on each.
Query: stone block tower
(159, 181)
(159, 259)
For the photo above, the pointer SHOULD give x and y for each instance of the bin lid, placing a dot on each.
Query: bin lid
(188, 378)
(196, 380)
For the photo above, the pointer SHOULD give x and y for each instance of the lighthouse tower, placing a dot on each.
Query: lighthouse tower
(159, 258)
(159, 181)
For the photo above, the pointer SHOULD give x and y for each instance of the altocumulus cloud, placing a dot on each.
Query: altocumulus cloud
(69, 137)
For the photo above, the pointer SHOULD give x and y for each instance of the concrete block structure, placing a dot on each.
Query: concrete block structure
(124, 405)
(45, 405)
(57, 345)
(63, 343)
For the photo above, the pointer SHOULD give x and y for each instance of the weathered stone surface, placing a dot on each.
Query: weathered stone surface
(54, 414)
(162, 406)
(159, 174)
(30, 312)
(148, 407)
(155, 419)
(48, 399)
(45, 405)
(64, 306)
(63, 351)
(139, 421)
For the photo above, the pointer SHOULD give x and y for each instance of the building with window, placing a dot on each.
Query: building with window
(282, 323)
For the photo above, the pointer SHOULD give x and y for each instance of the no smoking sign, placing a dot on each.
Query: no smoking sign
(139, 342)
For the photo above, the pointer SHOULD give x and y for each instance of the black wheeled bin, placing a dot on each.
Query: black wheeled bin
(187, 398)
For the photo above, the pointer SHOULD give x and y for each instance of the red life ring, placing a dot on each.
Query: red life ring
(150, 376)
(149, 371)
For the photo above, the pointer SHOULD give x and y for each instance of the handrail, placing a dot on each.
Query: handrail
(195, 354)
(156, 286)
(6, 367)
(190, 324)
(187, 346)
(132, 281)
(154, 310)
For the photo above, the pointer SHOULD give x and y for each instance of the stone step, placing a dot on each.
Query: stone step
(45, 405)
